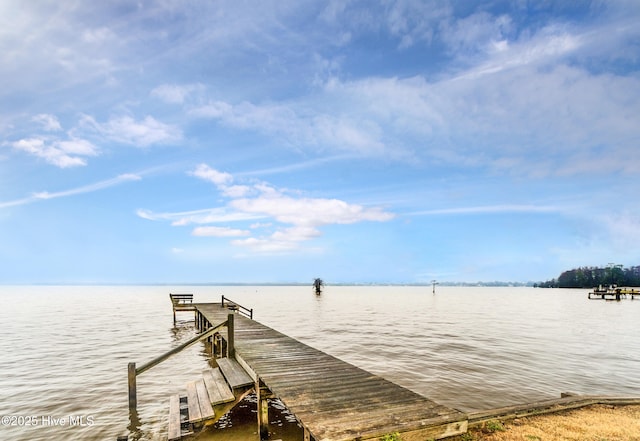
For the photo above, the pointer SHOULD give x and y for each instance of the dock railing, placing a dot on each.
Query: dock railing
(235, 306)
(181, 302)
(133, 372)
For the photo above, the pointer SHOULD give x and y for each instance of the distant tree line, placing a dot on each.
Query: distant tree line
(589, 277)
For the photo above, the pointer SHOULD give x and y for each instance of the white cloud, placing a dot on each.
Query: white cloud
(309, 211)
(300, 124)
(544, 49)
(284, 240)
(127, 177)
(174, 93)
(17, 202)
(295, 219)
(260, 225)
(219, 232)
(296, 234)
(623, 228)
(90, 188)
(526, 120)
(477, 32)
(222, 180)
(236, 191)
(266, 246)
(77, 147)
(493, 209)
(98, 35)
(62, 154)
(127, 130)
(203, 216)
(203, 171)
(49, 122)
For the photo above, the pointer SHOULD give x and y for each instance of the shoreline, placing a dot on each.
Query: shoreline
(611, 422)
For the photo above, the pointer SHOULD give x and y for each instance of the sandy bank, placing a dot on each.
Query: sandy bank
(597, 422)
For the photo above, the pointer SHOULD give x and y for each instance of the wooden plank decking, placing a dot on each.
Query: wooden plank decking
(332, 399)
(200, 408)
(174, 417)
(219, 391)
(234, 373)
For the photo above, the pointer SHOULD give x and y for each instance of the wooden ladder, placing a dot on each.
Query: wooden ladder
(208, 398)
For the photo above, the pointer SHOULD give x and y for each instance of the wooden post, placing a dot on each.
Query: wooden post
(263, 412)
(133, 400)
(307, 434)
(231, 347)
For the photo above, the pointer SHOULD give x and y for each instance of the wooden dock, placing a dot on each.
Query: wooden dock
(331, 399)
(613, 293)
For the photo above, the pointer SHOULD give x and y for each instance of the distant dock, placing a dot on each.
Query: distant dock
(613, 293)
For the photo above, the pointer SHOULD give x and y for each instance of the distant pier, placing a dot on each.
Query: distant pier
(613, 293)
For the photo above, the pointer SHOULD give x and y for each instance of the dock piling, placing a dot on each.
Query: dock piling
(231, 349)
(263, 411)
(133, 400)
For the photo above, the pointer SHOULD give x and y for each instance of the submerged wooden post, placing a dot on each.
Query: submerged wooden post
(231, 347)
(133, 400)
(263, 412)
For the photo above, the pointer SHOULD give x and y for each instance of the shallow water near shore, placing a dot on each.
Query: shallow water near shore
(65, 349)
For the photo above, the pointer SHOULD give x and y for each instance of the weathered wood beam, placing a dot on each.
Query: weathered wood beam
(163, 357)
(231, 346)
(133, 399)
(263, 411)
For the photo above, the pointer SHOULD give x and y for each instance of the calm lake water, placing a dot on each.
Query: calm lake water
(63, 369)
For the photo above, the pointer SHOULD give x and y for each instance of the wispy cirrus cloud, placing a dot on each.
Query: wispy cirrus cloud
(212, 231)
(491, 209)
(101, 185)
(176, 93)
(50, 123)
(198, 217)
(486, 112)
(127, 130)
(300, 125)
(90, 188)
(287, 219)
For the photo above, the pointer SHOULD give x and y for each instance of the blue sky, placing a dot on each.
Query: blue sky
(278, 141)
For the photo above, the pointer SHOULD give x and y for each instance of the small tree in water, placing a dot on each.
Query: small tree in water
(317, 285)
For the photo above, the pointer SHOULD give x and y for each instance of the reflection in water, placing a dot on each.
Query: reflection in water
(241, 424)
(135, 433)
(183, 329)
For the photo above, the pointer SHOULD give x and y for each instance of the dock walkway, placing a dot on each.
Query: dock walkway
(332, 399)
